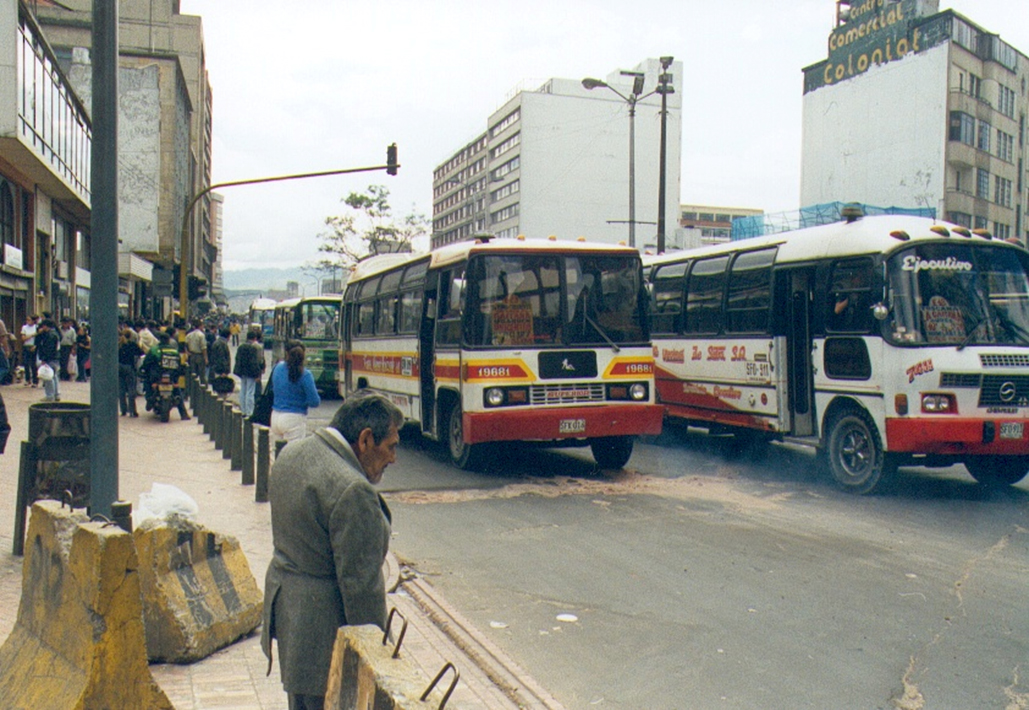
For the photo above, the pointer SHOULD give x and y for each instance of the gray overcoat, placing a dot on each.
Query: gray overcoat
(331, 530)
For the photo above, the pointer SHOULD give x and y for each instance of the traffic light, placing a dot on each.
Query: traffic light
(196, 287)
(391, 159)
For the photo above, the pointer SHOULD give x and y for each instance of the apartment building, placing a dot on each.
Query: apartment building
(915, 107)
(558, 160)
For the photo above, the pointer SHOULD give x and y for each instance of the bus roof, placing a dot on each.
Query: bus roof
(263, 304)
(454, 253)
(879, 234)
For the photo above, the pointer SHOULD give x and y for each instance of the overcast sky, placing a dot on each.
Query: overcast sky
(326, 84)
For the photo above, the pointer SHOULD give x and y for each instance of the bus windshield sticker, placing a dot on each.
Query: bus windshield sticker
(512, 322)
(943, 322)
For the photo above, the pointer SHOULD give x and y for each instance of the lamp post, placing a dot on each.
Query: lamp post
(664, 87)
(634, 97)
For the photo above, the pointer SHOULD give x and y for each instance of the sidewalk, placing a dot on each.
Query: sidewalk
(180, 454)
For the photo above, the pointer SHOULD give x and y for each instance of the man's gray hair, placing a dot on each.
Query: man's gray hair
(366, 410)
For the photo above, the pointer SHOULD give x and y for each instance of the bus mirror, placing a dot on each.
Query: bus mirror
(880, 311)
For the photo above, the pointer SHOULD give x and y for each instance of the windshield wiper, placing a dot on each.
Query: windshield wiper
(971, 333)
(603, 334)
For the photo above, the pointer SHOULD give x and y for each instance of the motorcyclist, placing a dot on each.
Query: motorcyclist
(154, 366)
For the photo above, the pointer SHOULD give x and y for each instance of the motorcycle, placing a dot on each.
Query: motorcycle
(166, 393)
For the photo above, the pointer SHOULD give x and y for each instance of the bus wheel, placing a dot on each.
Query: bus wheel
(611, 451)
(856, 458)
(997, 471)
(466, 456)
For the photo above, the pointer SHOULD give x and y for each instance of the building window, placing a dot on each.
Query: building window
(983, 142)
(975, 85)
(1002, 191)
(1006, 101)
(981, 222)
(962, 127)
(1005, 146)
(509, 166)
(690, 216)
(707, 217)
(506, 145)
(6, 213)
(982, 185)
(962, 218)
(508, 121)
(1001, 231)
(507, 190)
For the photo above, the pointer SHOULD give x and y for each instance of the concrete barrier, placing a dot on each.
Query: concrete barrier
(198, 592)
(369, 674)
(78, 642)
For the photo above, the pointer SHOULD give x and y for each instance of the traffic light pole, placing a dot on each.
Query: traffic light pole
(186, 244)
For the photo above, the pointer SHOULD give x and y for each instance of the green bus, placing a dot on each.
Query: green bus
(313, 321)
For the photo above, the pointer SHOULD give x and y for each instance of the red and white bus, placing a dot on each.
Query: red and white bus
(507, 340)
(883, 341)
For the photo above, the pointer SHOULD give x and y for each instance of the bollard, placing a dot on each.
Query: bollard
(216, 418)
(236, 440)
(203, 401)
(226, 429)
(121, 514)
(247, 453)
(261, 491)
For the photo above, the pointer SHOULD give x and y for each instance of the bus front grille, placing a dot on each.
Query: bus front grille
(567, 394)
(1008, 360)
(1004, 391)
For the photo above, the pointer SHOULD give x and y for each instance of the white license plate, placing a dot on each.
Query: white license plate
(572, 426)
(165, 388)
(1011, 430)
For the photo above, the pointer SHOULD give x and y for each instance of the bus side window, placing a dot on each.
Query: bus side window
(448, 326)
(850, 297)
(704, 291)
(666, 311)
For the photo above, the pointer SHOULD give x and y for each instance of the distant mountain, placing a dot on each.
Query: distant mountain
(264, 279)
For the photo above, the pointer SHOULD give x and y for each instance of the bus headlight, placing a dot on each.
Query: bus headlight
(638, 391)
(939, 404)
(494, 397)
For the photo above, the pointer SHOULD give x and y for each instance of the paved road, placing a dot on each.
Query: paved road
(694, 579)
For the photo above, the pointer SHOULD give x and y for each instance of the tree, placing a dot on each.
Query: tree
(368, 228)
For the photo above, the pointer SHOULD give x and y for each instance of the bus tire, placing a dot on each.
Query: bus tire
(611, 452)
(855, 453)
(465, 456)
(997, 471)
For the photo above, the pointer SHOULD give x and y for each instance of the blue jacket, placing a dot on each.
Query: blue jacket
(294, 397)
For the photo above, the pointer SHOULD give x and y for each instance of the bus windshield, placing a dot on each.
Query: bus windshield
(320, 320)
(958, 294)
(548, 299)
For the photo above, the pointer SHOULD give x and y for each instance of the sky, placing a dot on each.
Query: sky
(323, 85)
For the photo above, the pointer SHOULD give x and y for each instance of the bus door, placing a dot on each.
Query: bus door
(427, 351)
(799, 375)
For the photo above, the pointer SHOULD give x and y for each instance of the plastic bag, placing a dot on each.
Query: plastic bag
(162, 502)
(45, 372)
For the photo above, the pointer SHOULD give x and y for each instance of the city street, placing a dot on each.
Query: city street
(697, 579)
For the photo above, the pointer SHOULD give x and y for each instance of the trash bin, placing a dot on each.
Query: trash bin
(59, 434)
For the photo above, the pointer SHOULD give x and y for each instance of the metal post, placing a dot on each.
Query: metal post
(103, 389)
(236, 440)
(263, 462)
(226, 427)
(664, 88)
(632, 172)
(247, 478)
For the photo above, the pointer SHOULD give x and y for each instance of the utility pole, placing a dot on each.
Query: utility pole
(664, 88)
(103, 386)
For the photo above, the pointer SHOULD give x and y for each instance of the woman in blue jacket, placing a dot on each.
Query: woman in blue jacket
(293, 393)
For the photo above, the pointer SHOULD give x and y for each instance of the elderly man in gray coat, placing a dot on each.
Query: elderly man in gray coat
(331, 532)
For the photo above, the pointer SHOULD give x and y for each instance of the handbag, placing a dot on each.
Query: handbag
(262, 413)
(223, 384)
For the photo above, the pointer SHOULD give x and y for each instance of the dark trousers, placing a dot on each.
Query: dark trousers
(28, 361)
(65, 357)
(81, 358)
(127, 389)
(306, 702)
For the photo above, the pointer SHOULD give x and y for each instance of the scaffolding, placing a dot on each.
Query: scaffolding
(825, 213)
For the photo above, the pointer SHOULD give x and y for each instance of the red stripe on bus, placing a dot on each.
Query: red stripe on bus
(951, 435)
(546, 424)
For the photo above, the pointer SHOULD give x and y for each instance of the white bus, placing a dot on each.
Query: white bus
(507, 340)
(883, 341)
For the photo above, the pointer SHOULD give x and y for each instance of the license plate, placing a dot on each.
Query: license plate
(572, 426)
(1011, 430)
(165, 388)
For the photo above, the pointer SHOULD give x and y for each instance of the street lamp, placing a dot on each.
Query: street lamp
(634, 97)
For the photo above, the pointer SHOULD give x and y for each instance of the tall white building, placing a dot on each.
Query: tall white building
(918, 108)
(555, 161)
